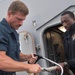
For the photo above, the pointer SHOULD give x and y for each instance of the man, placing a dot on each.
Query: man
(11, 58)
(68, 21)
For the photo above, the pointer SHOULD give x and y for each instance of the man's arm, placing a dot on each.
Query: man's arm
(29, 57)
(8, 64)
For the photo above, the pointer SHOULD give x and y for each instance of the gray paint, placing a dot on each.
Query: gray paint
(41, 11)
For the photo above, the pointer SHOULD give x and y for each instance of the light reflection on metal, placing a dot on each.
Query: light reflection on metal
(48, 35)
(62, 29)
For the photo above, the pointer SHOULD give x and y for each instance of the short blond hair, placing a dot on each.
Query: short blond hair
(18, 6)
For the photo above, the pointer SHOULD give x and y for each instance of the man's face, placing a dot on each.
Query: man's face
(16, 20)
(67, 21)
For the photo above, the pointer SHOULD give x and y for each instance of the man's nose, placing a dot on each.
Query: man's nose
(21, 23)
(64, 24)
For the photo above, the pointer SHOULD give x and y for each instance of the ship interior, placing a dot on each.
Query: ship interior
(53, 44)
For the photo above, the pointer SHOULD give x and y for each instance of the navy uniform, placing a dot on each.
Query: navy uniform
(69, 44)
(9, 42)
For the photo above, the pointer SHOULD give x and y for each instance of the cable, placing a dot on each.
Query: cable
(55, 64)
(40, 57)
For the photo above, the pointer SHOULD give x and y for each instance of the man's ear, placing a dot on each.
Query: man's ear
(9, 13)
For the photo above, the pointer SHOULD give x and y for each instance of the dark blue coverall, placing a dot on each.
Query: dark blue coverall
(9, 42)
(69, 44)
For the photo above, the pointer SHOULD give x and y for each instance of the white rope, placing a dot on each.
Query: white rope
(49, 69)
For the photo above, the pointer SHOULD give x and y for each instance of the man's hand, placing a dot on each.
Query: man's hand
(31, 58)
(34, 68)
(28, 57)
(65, 68)
(58, 68)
